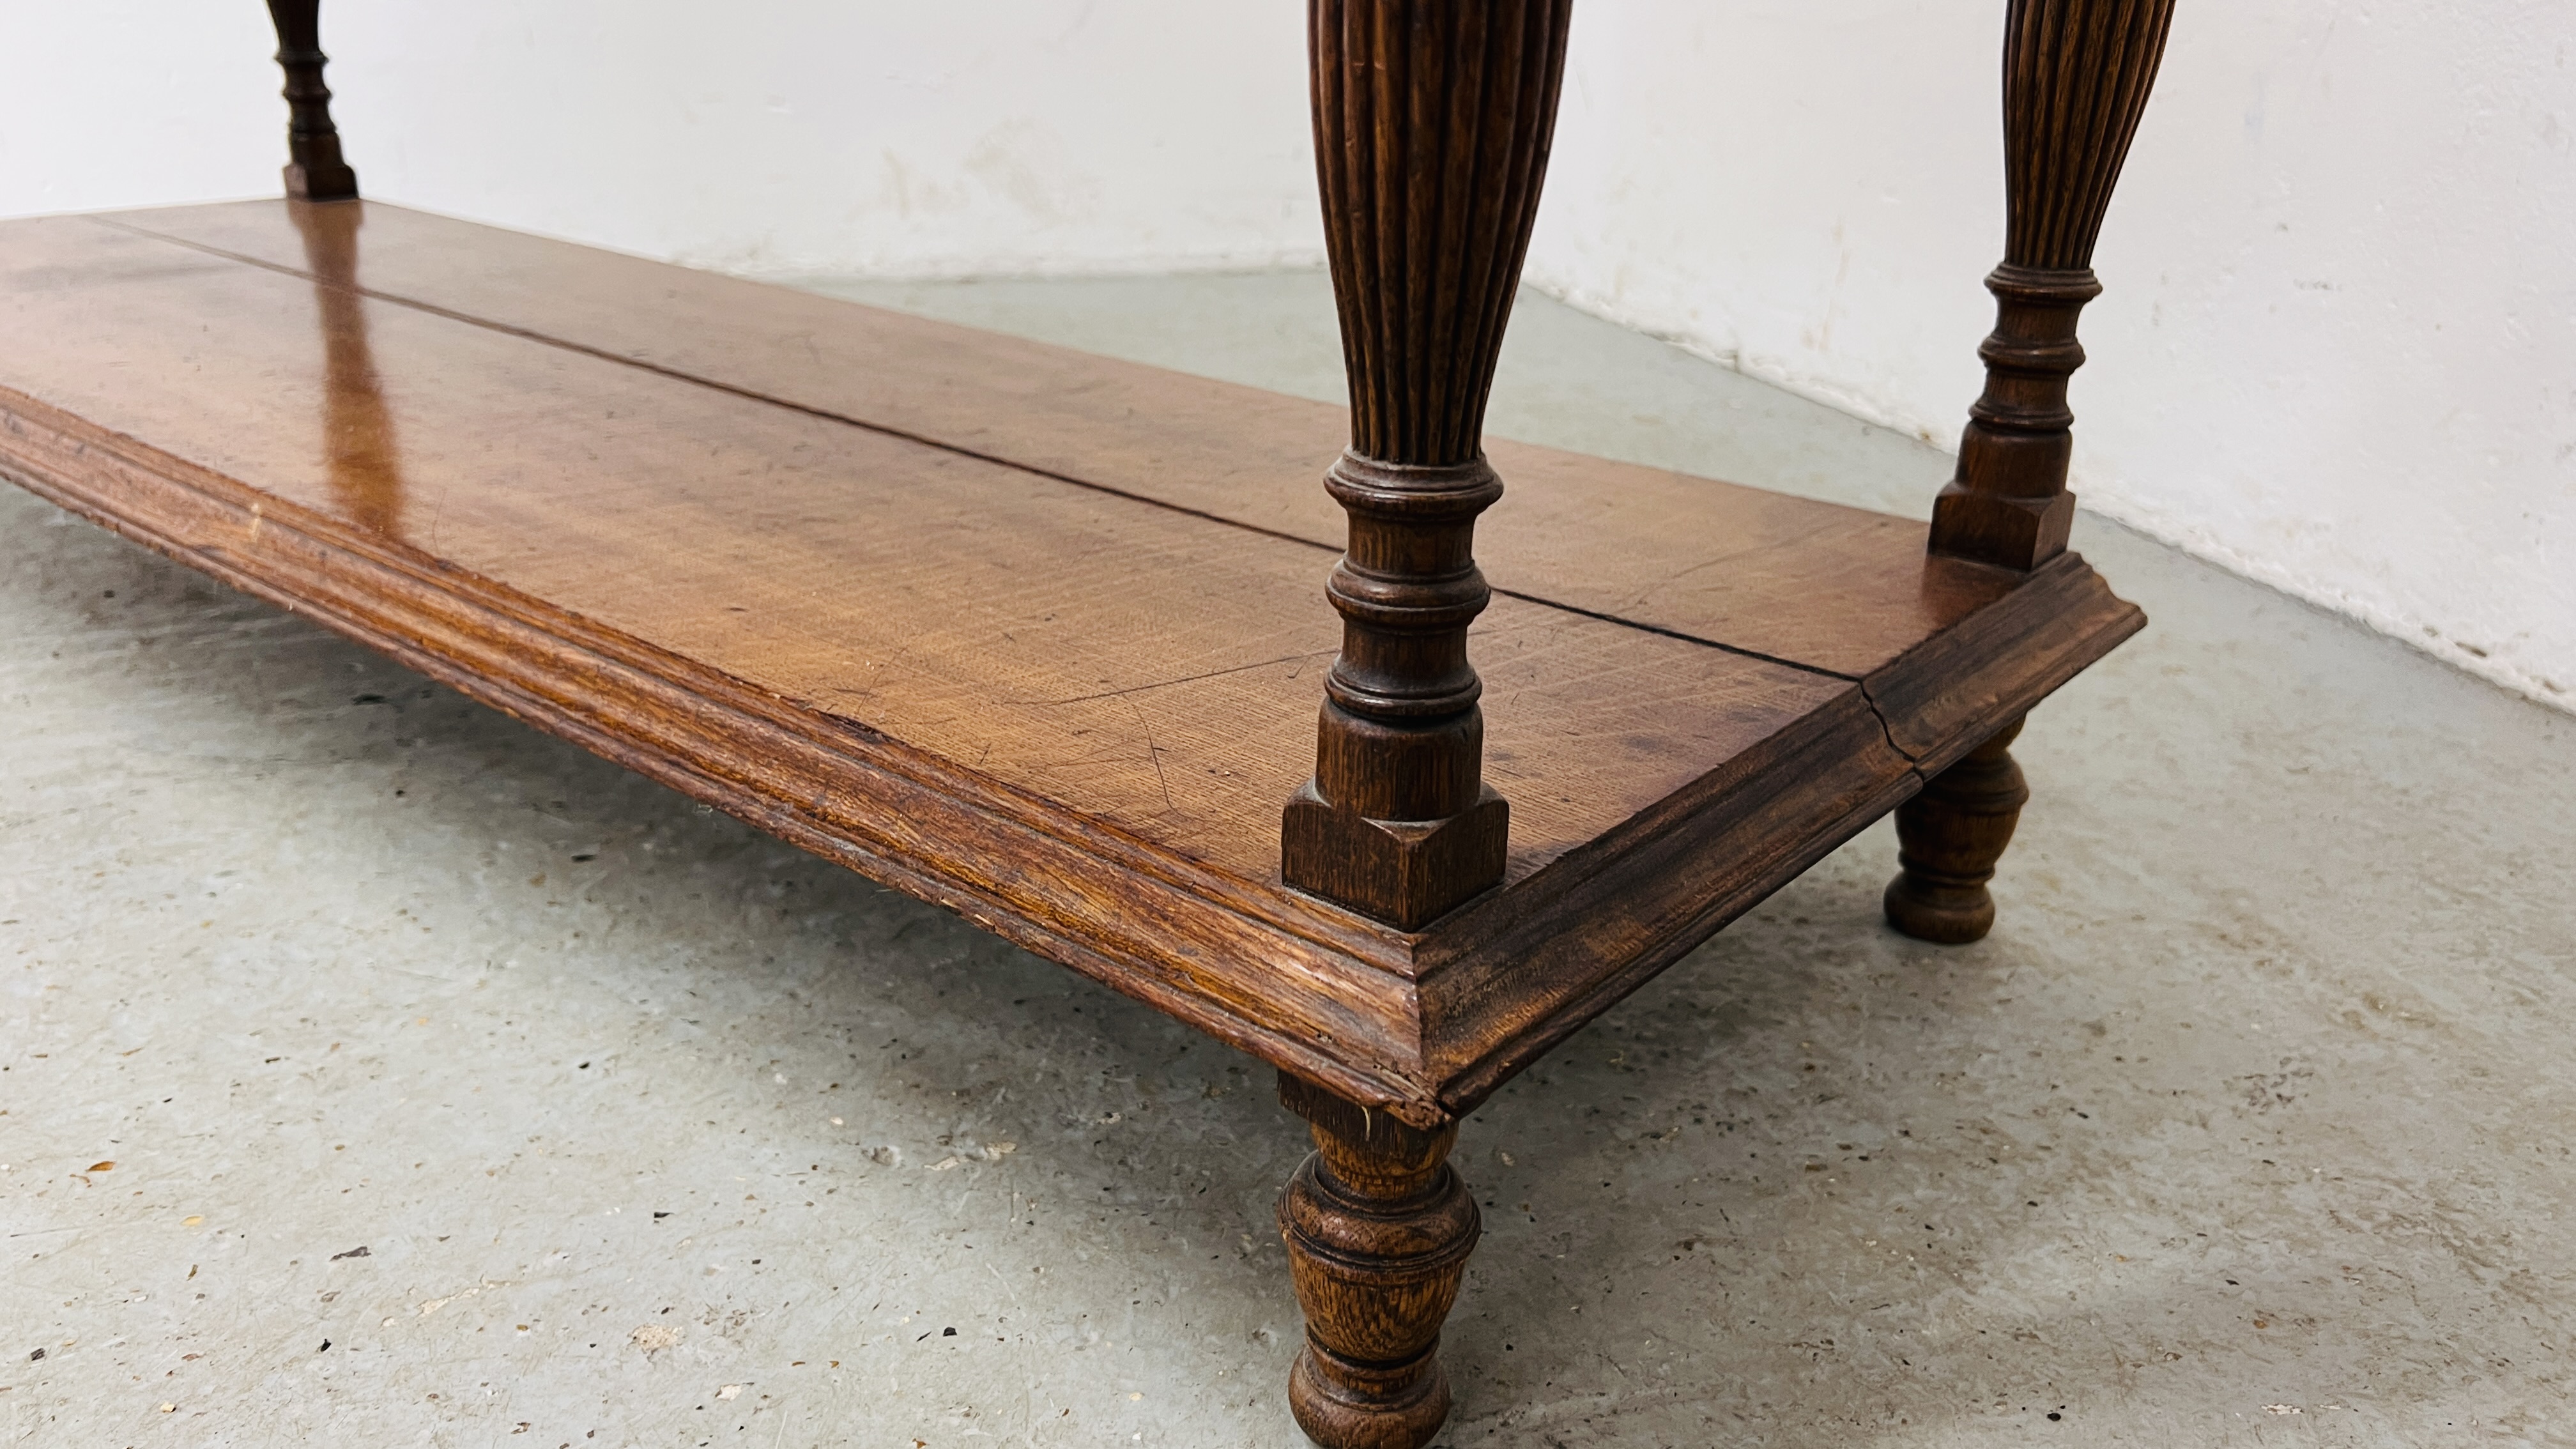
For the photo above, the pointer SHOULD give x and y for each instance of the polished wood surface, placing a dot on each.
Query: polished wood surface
(2077, 74)
(1837, 589)
(1067, 712)
(1033, 630)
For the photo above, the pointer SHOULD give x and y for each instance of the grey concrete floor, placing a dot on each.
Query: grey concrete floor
(459, 1086)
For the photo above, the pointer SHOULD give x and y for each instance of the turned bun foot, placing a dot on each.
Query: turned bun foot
(1949, 838)
(1344, 1404)
(1943, 913)
(1378, 1228)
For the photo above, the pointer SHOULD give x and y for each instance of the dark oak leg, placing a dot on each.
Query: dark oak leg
(1949, 838)
(314, 170)
(2077, 74)
(1378, 1228)
(1432, 126)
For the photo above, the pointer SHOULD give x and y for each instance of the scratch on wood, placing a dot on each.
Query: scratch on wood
(1154, 753)
(1192, 678)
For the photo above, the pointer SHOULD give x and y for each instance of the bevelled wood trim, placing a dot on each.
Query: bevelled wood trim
(1516, 978)
(1952, 694)
(1293, 984)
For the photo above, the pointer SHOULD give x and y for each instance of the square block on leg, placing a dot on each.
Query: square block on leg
(1409, 873)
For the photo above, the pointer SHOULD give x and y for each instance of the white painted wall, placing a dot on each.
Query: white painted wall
(899, 137)
(2338, 352)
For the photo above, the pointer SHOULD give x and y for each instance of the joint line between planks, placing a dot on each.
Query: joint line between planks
(826, 414)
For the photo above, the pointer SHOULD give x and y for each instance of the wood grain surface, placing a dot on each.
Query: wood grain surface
(1839, 589)
(1067, 713)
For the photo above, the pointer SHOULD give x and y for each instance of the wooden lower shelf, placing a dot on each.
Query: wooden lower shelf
(1033, 634)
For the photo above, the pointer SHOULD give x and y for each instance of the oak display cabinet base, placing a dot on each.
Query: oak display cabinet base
(1034, 635)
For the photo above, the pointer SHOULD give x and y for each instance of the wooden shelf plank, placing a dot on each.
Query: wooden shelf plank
(1069, 708)
(1154, 670)
(1835, 588)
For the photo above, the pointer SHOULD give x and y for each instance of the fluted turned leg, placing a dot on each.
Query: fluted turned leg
(2077, 74)
(314, 170)
(1378, 1228)
(1432, 126)
(1949, 838)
